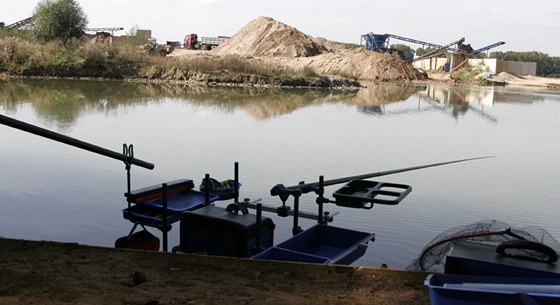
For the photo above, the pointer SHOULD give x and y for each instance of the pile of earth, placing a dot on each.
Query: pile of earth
(277, 44)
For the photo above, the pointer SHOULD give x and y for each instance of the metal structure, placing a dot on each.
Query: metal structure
(20, 24)
(108, 29)
(488, 47)
(459, 44)
(380, 43)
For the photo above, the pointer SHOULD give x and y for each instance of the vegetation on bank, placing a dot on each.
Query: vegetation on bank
(21, 54)
(547, 66)
(57, 46)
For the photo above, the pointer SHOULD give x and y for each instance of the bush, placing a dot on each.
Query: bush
(58, 20)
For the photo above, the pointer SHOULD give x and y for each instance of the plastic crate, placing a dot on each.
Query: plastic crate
(448, 289)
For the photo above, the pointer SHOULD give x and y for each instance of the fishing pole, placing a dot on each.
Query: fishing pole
(72, 141)
(283, 191)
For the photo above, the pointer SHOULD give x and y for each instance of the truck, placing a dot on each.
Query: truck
(193, 42)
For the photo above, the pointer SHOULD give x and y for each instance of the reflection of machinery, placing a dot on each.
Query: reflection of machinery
(455, 101)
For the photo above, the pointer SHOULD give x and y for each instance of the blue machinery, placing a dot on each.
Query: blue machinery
(380, 43)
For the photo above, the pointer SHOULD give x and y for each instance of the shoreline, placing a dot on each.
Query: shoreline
(329, 83)
(46, 272)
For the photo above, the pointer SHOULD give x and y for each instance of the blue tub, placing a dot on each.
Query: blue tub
(321, 244)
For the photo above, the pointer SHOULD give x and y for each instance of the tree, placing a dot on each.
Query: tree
(406, 51)
(58, 20)
(546, 65)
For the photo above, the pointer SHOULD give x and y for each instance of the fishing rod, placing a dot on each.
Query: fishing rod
(303, 188)
(45, 133)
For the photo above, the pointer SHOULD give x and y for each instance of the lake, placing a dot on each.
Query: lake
(50, 191)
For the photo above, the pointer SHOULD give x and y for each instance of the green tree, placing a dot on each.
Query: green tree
(58, 20)
(422, 51)
(546, 65)
(406, 52)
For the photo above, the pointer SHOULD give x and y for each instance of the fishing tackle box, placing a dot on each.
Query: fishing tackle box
(476, 259)
(215, 231)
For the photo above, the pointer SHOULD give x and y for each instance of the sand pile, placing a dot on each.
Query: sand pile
(265, 36)
(275, 43)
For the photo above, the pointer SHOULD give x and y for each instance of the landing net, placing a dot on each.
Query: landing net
(486, 232)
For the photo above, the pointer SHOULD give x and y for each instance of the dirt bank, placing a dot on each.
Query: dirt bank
(514, 80)
(60, 273)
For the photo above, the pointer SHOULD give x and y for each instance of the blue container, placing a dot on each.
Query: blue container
(279, 254)
(447, 289)
(186, 201)
(151, 213)
(321, 244)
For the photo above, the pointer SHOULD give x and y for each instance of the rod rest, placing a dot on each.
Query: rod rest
(155, 191)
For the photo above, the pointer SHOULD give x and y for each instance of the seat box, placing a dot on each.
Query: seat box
(215, 231)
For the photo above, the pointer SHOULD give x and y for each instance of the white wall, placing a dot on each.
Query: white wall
(495, 66)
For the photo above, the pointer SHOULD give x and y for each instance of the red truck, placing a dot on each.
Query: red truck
(193, 42)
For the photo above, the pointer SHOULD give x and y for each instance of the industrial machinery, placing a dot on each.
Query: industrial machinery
(193, 42)
(112, 30)
(380, 43)
(18, 24)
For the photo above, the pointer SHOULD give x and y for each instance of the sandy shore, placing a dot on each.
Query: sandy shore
(66, 273)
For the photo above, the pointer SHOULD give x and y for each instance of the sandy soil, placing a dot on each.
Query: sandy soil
(275, 44)
(515, 80)
(67, 273)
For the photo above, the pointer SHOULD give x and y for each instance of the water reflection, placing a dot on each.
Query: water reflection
(457, 101)
(63, 101)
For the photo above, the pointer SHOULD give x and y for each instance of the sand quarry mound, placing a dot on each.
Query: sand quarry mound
(275, 43)
(267, 37)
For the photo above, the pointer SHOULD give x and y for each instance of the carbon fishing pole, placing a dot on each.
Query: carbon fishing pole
(281, 190)
(45, 133)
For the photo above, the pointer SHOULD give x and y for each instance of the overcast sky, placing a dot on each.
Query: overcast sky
(524, 25)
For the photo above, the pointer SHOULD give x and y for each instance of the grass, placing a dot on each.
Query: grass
(469, 72)
(20, 54)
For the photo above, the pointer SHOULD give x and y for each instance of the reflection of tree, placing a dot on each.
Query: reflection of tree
(62, 101)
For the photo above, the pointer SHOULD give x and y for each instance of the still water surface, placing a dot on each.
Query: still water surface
(50, 191)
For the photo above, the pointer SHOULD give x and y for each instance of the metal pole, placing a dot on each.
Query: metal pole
(236, 181)
(207, 189)
(164, 205)
(45, 133)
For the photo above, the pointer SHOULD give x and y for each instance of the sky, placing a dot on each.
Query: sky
(523, 25)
